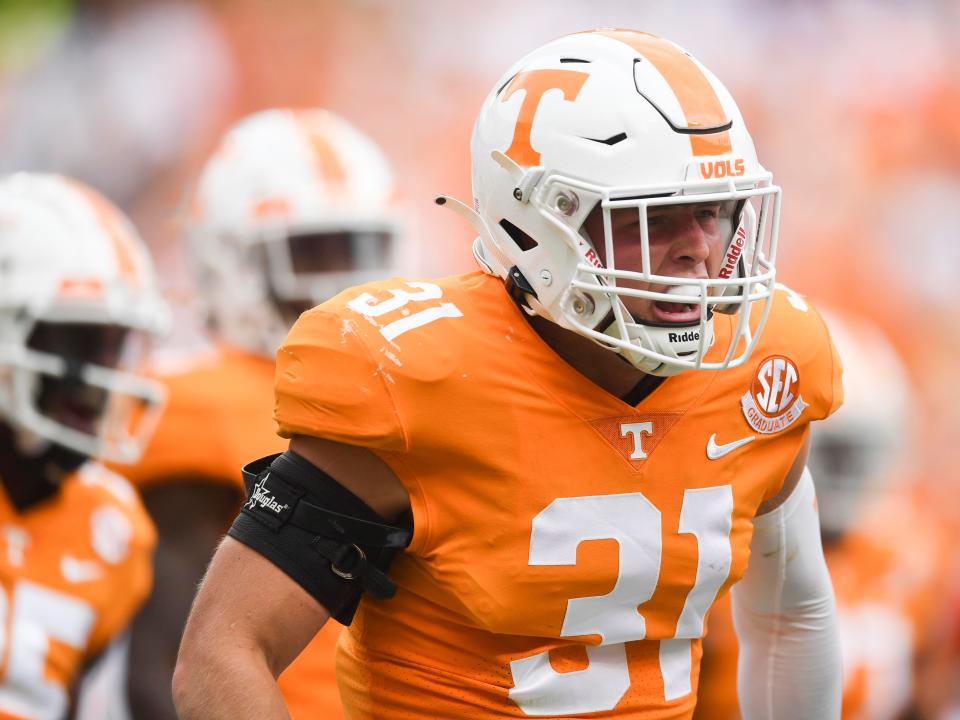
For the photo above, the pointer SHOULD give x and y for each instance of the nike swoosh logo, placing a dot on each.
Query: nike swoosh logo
(79, 571)
(715, 452)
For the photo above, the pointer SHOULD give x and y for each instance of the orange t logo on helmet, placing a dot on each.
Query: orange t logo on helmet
(536, 83)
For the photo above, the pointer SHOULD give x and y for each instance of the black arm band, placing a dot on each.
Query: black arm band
(319, 533)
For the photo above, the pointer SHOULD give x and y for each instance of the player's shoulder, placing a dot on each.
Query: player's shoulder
(107, 541)
(397, 306)
(208, 393)
(217, 412)
(794, 371)
(97, 483)
(200, 371)
(193, 376)
(794, 325)
(406, 327)
(119, 525)
(347, 365)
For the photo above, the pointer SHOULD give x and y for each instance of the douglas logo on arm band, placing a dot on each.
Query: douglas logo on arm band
(262, 499)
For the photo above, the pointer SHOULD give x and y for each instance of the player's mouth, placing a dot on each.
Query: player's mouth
(80, 408)
(81, 416)
(675, 313)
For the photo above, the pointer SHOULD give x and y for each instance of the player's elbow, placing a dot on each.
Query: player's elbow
(182, 688)
(193, 677)
(186, 674)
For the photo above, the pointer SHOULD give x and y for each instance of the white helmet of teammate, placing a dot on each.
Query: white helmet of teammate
(608, 120)
(77, 294)
(856, 452)
(293, 207)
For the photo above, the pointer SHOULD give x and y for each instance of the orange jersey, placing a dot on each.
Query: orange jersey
(218, 419)
(309, 684)
(718, 671)
(887, 575)
(566, 545)
(73, 571)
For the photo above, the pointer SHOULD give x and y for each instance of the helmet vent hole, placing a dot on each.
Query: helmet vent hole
(522, 240)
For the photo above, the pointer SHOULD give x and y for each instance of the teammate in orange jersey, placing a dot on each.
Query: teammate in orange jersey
(564, 493)
(77, 295)
(293, 206)
(885, 547)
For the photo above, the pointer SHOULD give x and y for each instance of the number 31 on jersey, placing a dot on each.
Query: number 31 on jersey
(635, 523)
(368, 306)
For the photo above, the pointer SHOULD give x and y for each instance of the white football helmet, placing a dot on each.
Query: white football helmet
(293, 207)
(74, 272)
(620, 119)
(856, 453)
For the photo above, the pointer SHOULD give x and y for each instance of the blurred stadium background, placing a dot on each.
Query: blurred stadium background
(853, 104)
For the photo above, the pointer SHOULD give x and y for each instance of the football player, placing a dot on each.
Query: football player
(77, 297)
(885, 548)
(292, 206)
(562, 493)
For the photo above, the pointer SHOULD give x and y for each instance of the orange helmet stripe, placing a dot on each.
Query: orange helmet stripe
(116, 228)
(327, 159)
(698, 100)
(275, 207)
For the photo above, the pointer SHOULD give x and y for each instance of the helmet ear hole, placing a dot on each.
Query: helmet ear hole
(519, 237)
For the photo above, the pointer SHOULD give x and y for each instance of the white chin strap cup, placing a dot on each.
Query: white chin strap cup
(673, 341)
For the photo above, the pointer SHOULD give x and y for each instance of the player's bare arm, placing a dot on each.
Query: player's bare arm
(299, 235)
(250, 619)
(248, 622)
(358, 470)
